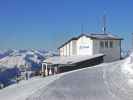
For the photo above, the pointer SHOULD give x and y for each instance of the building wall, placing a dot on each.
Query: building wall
(61, 51)
(74, 48)
(84, 46)
(96, 47)
(87, 46)
(64, 50)
(112, 53)
(67, 49)
(70, 49)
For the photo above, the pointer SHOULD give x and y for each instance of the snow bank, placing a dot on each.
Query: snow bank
(26, 88)
(127, 69)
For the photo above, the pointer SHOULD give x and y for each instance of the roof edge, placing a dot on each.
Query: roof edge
(83, 34)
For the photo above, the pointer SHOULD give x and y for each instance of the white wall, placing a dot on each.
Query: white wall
(74, 47)
(64, 50)
(70, 49)
(67, 49)
(61, 51)
(84, 46)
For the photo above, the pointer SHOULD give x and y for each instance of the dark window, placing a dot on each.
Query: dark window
(111, 44)
(106, 44)
(102, 44)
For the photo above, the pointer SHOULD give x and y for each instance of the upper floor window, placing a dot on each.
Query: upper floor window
(106, 44)
(102, 44)
(111, 44)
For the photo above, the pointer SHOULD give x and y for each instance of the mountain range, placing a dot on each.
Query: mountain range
(23, 58)
(12, 62)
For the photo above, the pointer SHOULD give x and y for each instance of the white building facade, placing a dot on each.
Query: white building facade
(92, 44)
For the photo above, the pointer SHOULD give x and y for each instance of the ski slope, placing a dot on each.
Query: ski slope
(25, 88)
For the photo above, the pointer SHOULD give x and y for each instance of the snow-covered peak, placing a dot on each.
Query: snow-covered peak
(26, 58)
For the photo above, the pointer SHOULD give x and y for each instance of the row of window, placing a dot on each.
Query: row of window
(106, 44)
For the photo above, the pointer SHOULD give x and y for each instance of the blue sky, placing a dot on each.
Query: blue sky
(47, 23)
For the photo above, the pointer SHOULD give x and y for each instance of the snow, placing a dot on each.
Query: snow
(12, 61)
(128, 65)
(26, 88)
(70, 59)
(21, 58)
(103, 36)
(107, 81)
(127, 69)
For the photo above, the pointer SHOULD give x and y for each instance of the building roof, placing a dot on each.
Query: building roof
(94, 36)
(69, 59)
(103, 36)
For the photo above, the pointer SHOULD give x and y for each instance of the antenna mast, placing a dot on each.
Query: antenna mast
(104, 24)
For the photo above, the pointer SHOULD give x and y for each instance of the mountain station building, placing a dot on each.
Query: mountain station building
(83, 51)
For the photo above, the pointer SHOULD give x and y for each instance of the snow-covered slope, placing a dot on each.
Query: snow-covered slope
(107, 81)
(4, 53)
(102, 82)
(25, 88)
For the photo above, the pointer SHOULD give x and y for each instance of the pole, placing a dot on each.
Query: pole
(46, 70)
(42, 69)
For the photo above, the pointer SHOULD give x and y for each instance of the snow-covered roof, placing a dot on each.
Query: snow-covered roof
(103, 36)
(100, 36)
(69, 59)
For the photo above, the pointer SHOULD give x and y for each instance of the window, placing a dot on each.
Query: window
(101, 44)
(111, 44)
(106, 44)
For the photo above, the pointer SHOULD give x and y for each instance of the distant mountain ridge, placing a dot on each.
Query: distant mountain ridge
(26, 58)
(15, 62)
(4, 53)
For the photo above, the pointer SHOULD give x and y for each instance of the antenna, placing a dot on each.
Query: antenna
(104, 24)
